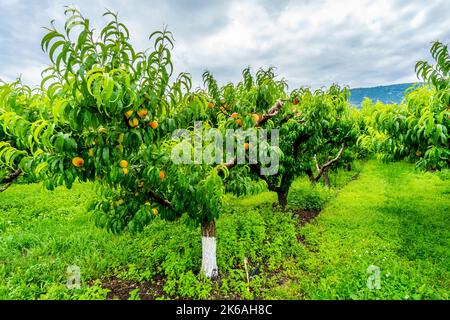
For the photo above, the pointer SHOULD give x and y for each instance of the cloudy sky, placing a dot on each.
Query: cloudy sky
(359, 43)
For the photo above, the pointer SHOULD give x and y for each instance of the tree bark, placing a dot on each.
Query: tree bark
(272, 112)
(10, 179)
(322, 169)
(158, 199)
(326, 178)
(282, 198)
(311, 177)
(209, 259)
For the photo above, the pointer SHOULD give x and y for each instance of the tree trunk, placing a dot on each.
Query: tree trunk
(10, 179)
(282, 198)
(209, 260)
(311, 177)
(326, 178)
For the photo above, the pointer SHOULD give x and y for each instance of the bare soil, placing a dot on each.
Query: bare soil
(120, 289)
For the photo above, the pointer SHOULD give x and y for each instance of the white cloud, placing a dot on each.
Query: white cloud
(30, 74)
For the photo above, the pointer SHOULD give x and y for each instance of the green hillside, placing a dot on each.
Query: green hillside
(394, 93)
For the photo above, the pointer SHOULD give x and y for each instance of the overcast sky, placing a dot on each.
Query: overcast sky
(358, 43)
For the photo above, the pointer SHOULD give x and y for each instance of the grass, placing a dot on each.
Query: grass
(391, 217)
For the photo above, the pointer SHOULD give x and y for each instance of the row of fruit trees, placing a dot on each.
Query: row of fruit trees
(158, 148)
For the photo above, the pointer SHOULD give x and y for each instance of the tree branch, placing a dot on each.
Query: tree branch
(289, 117)
(322, 168)
(271, 113)
(257, 170)
(318, 168)
(338, 156)
(230, 164)
(10, 179)
(159, 200)
(225, 113)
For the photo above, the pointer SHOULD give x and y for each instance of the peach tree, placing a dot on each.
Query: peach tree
(106, 114)
(19, 106)
(418, 128)
(314, 126)
(336, 132)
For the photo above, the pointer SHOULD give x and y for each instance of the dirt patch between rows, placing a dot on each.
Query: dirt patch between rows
(150, 290)
(120, 289)
(305, 216)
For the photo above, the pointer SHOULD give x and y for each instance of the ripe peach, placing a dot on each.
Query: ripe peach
(128, 114)
(123, 164)
(133, 123)
(153, 124)
(142, 113)
(78, 162)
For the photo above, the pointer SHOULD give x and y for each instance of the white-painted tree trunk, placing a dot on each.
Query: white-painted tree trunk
(209, 260)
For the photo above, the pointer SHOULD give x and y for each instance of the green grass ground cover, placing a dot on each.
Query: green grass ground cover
(390, 216)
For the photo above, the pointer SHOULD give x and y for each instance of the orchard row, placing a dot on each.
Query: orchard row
(106, 113)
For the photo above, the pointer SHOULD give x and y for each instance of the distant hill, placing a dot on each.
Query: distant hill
(386, 94)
